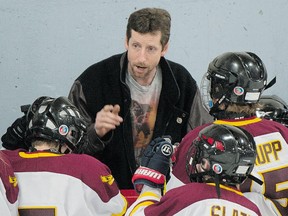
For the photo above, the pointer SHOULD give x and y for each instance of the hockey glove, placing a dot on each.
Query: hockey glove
(155, 164)
(14, 138)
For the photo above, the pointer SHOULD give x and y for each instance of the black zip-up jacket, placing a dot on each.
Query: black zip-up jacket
(103, 83)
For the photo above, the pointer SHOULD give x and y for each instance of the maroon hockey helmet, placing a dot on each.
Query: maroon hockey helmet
(221, 153)
(56, 119)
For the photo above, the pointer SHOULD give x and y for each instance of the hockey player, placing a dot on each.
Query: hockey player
(231, 89)
(218, 161)
(51, 180)
(8, 188)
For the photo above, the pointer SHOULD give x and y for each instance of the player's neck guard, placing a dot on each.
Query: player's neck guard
(231, 115)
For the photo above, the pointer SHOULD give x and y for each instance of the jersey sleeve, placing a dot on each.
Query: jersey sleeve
(147, 197)
(8, 188)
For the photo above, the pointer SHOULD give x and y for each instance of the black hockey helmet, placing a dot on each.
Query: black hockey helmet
(56, 119)
(273, 108)
(229, 153)
(234, 77)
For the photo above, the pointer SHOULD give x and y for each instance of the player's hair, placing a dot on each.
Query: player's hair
(150, 20)
(249, 109)
(46, 142)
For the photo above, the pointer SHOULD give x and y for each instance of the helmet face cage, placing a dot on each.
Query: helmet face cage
(191, 157)
(205, 89)
(229, 151)
(57, 120)
(238, 77)
(35, 106)
(273, 108)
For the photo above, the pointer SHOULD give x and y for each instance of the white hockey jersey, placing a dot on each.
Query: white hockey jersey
(271, 163)
(53, 184)
(193, 199)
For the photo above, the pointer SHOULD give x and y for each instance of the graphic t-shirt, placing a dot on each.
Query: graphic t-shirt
(143, 110)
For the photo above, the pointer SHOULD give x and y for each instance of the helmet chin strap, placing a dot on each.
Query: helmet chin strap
(215, 110)
(271, 83)
(217, 183)
(257, 180)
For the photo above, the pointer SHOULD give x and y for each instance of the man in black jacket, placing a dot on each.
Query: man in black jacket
(136, 96)
(131, 98)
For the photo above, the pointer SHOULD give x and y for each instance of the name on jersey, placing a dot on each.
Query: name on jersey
(268, 152)
(217, 210)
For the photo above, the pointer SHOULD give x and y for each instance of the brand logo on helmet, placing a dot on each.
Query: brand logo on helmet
(217, 168)
(219, 76)
(166, 150)
(63, 130)
(238, 90)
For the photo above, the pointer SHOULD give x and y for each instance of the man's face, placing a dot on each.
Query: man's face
(144, 53)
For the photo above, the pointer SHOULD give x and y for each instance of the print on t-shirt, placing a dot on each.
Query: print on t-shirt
(143, 116)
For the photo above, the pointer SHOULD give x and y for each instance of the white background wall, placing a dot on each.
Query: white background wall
(45, 45)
